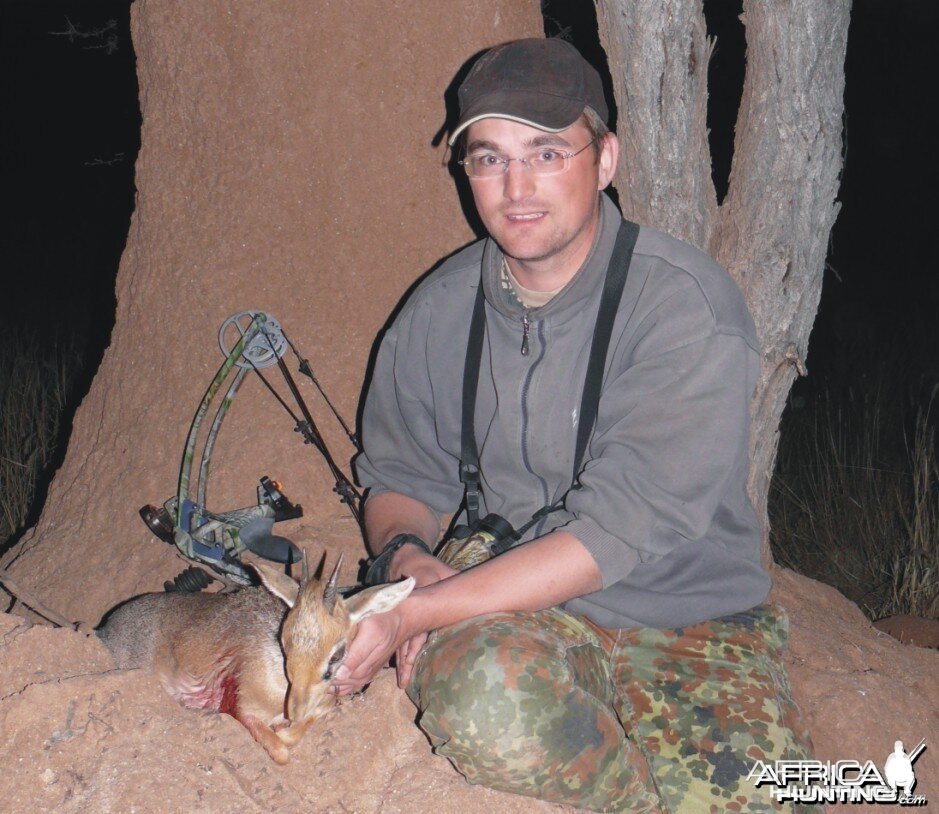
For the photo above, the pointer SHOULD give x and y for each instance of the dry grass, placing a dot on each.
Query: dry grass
(855, 498)
(916, 569)
(35, 382)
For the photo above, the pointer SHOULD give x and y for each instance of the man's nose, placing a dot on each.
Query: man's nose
(519, 181)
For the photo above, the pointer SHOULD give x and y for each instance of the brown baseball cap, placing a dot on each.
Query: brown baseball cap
(544, 83)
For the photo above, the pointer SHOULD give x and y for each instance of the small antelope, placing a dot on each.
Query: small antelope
(245, 653)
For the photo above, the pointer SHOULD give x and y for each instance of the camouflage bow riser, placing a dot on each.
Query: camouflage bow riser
(199, 534)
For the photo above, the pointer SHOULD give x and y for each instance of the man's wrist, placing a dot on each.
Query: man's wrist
(406, 560)
(379, 572)
(412, 613)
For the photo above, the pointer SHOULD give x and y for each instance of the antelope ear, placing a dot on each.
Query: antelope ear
(277, 582)
(380, 599)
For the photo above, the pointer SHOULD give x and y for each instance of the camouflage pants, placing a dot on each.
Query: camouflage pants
(548, 705)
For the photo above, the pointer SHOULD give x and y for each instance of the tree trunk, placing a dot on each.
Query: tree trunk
(771, 231)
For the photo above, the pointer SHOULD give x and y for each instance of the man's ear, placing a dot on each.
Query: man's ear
(609, 158)
(379, 599)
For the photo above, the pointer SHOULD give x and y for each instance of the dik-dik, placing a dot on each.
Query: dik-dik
(264, 655)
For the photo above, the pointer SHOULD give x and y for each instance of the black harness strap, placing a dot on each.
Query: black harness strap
(613, 285)
(602, 331)
(469, 453)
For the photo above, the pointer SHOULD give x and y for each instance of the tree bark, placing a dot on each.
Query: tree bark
(771, 231)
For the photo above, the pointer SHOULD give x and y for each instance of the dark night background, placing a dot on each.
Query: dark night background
(71, 134)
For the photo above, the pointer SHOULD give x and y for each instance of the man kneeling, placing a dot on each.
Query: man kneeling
(588, 382)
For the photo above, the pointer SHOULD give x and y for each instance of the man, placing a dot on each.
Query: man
(619, 658)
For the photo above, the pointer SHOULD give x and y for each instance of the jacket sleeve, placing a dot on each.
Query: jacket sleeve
(671, 441)
(399, 436)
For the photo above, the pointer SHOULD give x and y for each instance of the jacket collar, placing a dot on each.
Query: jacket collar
(588, 279)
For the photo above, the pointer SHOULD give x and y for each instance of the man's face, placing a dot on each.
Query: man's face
(545, 223)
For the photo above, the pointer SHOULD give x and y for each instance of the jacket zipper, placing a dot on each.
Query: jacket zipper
(526, 327)
(526, 460)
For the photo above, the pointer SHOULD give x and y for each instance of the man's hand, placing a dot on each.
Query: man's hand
(375, 640)
(396, 631)
(426, 569)
(388, 514)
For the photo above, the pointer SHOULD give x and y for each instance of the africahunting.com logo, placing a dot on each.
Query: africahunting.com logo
(844, 781)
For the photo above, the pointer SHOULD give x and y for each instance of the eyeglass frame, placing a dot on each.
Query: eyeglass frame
(526, 161)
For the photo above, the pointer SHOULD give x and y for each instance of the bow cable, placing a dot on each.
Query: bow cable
(311, 435)
(306, 370)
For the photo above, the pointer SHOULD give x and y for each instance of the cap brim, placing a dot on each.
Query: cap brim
(540, 110)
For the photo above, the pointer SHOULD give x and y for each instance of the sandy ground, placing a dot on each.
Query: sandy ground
(82, 736)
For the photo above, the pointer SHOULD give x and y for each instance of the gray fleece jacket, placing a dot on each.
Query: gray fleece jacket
(662, 506)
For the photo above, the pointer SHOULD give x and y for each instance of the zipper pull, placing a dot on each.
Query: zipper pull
(526, 327)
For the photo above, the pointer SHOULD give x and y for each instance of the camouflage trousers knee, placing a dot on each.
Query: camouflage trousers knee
(548, 705)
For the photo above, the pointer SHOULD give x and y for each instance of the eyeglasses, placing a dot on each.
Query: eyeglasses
(546, 161)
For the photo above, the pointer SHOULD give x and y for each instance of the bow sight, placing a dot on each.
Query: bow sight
(218, 539)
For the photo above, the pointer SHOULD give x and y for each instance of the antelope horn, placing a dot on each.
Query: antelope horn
(329, 593)
(304, 567)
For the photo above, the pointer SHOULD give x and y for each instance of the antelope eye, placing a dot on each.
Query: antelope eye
(338, 655)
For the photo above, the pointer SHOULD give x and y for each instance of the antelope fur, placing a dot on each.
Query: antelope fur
(261, 654)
